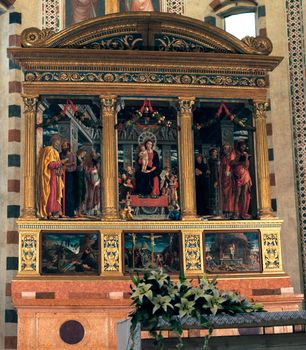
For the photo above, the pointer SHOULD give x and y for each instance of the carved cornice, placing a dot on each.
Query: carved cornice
(148, 31)
(74, 55)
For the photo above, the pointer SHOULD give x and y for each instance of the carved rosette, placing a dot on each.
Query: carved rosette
(34, 37)
(259, 45)
(271, 252)
(111, 253)
(192, 254)
(29, 254)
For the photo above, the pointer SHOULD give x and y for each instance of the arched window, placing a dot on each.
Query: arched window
(241, 25)
(238, 18)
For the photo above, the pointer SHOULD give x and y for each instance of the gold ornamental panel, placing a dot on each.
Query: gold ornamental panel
(271, 250)
(29, 252)
(111, 253)
(193, 253)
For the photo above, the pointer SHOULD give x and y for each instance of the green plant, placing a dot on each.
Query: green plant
(155, 298)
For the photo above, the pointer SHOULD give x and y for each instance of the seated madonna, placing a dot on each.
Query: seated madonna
(148, 171)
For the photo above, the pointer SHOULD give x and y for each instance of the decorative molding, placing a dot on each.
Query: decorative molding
(176, 32)
(146, 77)
(151, 225)
(296, 38)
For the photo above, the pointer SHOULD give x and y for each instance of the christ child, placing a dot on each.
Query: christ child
(144, 158)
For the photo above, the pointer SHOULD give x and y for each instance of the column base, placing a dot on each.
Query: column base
(28, 214)
(190, 217)
(266, 214)
(110, 215)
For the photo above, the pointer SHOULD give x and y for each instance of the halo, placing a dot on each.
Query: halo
(147, 135)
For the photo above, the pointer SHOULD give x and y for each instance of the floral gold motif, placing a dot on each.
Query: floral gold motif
(29, 253)
(124, 42)
(271, 253)
(192, 250)
(111, 252)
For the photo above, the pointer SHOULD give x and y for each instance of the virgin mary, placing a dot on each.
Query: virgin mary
(147, 182)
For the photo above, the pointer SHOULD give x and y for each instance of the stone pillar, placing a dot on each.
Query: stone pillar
(263, 177)
(30, 106)
(109, 159)
(186, 159)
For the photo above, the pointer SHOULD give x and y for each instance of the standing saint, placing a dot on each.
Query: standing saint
(227, 184)
(201, 184)
(242, 181)
(50, 182)
(82, 10)
(139, 5)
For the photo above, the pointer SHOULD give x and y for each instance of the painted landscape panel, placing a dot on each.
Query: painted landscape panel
(232, 251)
(70, 253)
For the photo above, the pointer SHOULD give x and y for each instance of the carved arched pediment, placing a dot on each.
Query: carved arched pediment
(155, 31)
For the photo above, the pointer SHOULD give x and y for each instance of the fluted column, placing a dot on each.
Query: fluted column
(186, 158)
(265, 211)
(30, 108)
(109, 159)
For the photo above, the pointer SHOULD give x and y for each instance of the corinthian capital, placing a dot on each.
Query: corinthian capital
(29, 103)
(260, 109)
(108, 103)
(186, 104)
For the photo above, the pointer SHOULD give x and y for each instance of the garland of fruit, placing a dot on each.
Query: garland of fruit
(232, 117)
(146, 113)
(78, 116)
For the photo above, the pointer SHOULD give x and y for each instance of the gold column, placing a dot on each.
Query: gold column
(30, 105)
(265, 211)
(186, 158)
(109, 159)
